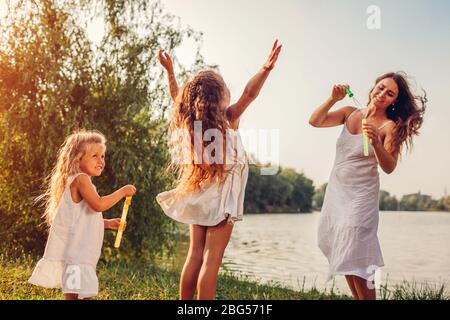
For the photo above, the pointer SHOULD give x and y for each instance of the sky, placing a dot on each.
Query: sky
(327, 42)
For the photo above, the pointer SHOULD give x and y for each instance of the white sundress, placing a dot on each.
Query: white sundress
(73, 248)
(348, 223)
(216, 201)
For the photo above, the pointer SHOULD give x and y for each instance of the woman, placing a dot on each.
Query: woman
(347, 233)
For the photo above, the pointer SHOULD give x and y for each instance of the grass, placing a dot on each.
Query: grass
(414, 291)
(140, 281)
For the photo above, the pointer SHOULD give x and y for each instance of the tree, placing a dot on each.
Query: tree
(253, 193)
(288, 191)
(443, 204)
(300, 198)
(319, 196)
(53, 80)
(388, 202)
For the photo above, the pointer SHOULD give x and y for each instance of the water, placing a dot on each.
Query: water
(282, 248)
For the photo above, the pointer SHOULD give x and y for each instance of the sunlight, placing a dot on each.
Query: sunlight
(3, 8)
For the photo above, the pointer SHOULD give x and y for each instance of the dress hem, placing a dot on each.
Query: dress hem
(231, 219)
(351, 273)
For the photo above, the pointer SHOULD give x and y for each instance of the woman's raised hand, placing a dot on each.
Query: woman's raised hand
(270, 63)
(339, 91)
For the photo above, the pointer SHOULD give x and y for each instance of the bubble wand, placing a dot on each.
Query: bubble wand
(123, 220)
(364, 121)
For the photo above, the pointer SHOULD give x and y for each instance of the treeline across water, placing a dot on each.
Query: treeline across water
(289, 191)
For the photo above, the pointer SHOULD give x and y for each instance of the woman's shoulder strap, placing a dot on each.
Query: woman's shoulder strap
(354, 111)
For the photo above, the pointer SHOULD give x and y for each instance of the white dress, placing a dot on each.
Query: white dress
(73, 248)
(348, 223)
(216, 201)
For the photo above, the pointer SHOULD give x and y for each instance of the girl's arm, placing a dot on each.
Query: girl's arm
(254, 86)
(96, 202)
(166, 62)
(322, 118)
(385, 152)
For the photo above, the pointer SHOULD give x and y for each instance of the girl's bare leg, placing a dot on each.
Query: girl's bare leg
(362, 287)
(194, 259)
(217, 239)
(351, 284)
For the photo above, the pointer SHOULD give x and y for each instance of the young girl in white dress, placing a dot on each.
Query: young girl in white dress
(347, 233)
(74, 213)
(210, 192)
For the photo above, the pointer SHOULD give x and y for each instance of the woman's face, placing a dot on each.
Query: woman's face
(384, 94)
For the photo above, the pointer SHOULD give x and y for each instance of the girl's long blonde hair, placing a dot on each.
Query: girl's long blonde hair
(68, 164)
(200, 99)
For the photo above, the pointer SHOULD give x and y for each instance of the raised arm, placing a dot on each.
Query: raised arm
(96, 202)
(322, 118)
(166, 62)
(254, 86)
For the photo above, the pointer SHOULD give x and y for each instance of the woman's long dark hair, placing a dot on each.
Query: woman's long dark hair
(407, 111)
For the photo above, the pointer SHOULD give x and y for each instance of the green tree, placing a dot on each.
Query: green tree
(253, 194)
(300, 198)
(388, 202)
(53, 80)
(319, 196)
(443, 204)
(287, 191)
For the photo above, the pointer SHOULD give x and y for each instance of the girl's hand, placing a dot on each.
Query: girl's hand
(113, 224)
(128, 190)
(165, 60)
(339, 92)
(372, 133)
(273, 56)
